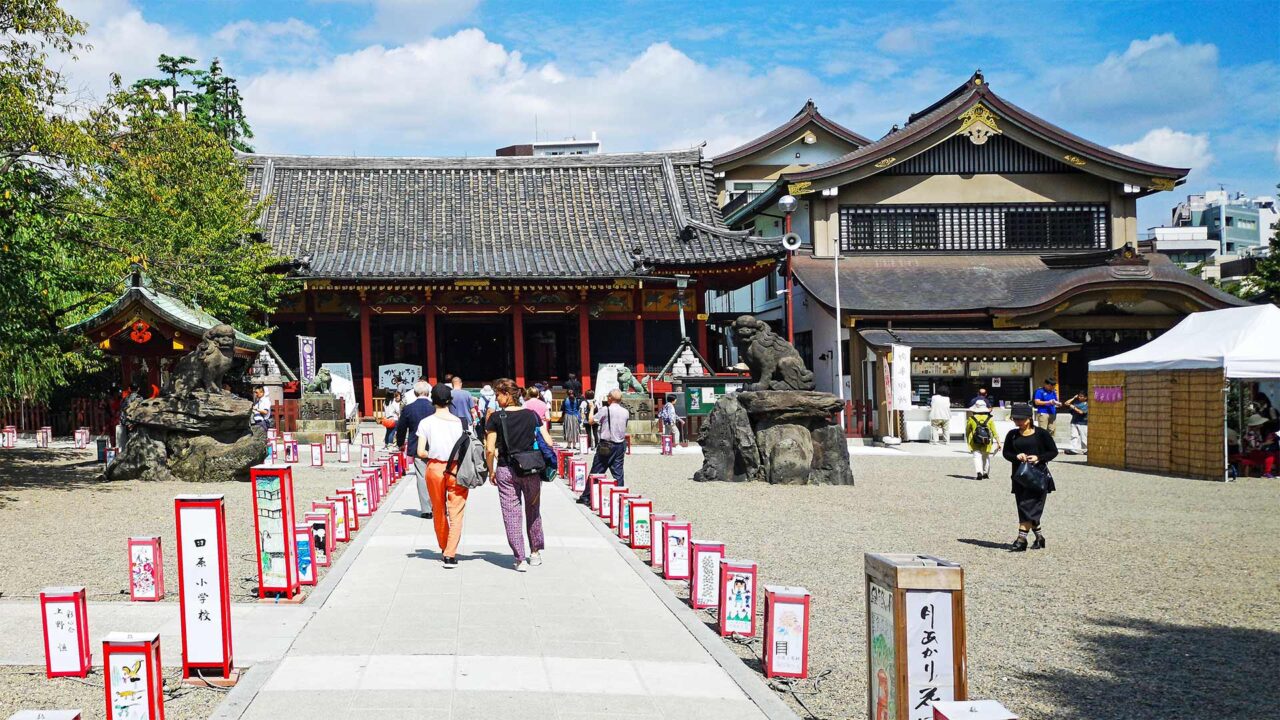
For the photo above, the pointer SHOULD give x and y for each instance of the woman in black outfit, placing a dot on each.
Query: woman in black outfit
(1035, 445)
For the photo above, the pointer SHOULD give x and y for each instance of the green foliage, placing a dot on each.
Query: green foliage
(212, 101)
(86, 191)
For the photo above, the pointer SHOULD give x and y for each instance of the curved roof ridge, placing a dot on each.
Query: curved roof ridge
(688, 156)
(807, 114)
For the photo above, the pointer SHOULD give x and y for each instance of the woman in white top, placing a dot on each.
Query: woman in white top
(437, 435)
(390, 415)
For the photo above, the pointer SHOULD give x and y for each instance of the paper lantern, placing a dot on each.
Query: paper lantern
(615, 506)
(146, 569)
(82, 438)
(562, 461)
(317, 455)
(353, 515)
(667, 445)
(641, 535)
(606, 498)
(42, 437)
(291, 451)
(344, 451)
(786, 631)
(364, 492)
(331, 442)
(375, 488)
(366, 456)
(9, 437)
(304, 544)
(972, 710)
(578, 475)
(624, 517)
(594, 483)
(271, 435)
(738, 598)
(704, 586)
(658, 520)
(133, 676)
(46, 715)
(273, 530)
(321, 522)
(366, 438)
(398, 465)
(204, 585)
(337, 506)
(916, 651)
(288, 436)
(675, 548)
(278, 454)
(64, 616)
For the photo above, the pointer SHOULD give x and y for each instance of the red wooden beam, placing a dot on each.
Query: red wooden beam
(366, 361)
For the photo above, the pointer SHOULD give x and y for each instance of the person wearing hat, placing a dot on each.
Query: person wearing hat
(980, 435)
(437, 434)
(1028, 443)
(1260, 444)
(1046, 402)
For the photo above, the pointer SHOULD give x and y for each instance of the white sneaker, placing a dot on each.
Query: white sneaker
(535, 559)
(522, 566)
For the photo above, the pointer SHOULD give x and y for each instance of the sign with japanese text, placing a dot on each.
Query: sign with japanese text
(64, 615)
(930, 654)
(704, 587)
(938, 368)
(1108, 394)
(204, 592)
(306, 358)
(901, 377)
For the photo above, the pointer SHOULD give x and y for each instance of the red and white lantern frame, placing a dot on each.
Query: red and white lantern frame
(203, 518)
(278, 522)
(344, 451)
(366, 456)
(615, 507)
(675, 550)
(353, 516)
(667, 444)
(786, 621)
(366, 438)
(735, 604)
(341, 523)
(331, 442)
(317, 454)
(132, 672)
(365, 490)
(321, 518)
(578, 475)
(593, 484)
(82, 438)
(304, 538)
(44, 436)
(658, 550)
(287, 436)
(606, 499)
(144, 551)
(64, 620)
(291, 451)
(704, 565)
(641, 535)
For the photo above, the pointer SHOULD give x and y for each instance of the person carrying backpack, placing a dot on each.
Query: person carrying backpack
(980, 434)
(438, 435)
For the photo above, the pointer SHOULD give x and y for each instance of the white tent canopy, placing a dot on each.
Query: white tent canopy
(1244, 342)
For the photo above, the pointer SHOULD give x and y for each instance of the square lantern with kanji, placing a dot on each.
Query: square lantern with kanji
(273, 512)
(786, 631)
(64, 617)
(658, 520)
(146, 569)
(593, 482)
(204, 585)
(675, 549)
(704, 586)
(133, 676)
(737, 614)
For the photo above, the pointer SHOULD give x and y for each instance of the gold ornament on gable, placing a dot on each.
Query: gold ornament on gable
(978, 124)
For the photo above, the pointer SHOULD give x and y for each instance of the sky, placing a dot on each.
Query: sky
(1188, 84)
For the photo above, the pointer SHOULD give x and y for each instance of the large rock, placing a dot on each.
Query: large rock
(205, 458)
(830, 457)
(787, 453)
(143, 456)
(198, 412)
(728, 444)
(805, 407)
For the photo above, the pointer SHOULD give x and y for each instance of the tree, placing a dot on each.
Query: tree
(213, 101)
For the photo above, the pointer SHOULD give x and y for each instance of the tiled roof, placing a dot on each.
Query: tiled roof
(1031, 341)
(577, 216)
(808, 115)
(924, 284)
(191, 320)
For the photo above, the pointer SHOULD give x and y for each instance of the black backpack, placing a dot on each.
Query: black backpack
(982, 432)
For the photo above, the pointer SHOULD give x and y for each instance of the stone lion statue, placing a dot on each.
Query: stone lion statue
(627, 382)
(204, 367)
(321, 382)
(774, 362)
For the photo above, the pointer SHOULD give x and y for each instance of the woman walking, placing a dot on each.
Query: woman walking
(390, 415)
(438, 433)
(589, 418)
(1032, 447)
(516, 468)
(571, 418)
(980, 435)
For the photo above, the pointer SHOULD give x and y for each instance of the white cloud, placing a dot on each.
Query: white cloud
(281, 42)
(1166, 146)
(464, 91)
(122, 42)
(901, 39)
(397, 21)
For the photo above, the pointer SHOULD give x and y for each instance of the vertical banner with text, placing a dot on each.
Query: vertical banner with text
(306, 358)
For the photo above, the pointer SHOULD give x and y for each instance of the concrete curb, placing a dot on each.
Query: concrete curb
(238, 699)
(339, 568)
(767, 700)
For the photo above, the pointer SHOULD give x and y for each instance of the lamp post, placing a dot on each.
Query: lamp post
(839, 342)
(787, 204)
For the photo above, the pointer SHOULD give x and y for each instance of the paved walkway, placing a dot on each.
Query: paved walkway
(582, 636)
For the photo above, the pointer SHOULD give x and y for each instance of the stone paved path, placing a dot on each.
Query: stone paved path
(582, 636)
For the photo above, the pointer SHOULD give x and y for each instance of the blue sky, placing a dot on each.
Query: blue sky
(1192, 84)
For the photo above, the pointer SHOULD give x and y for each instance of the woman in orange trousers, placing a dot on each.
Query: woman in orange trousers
(437, 434)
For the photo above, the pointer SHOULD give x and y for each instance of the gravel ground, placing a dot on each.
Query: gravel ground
(1156, 598)
(64, 527)
(26, 688)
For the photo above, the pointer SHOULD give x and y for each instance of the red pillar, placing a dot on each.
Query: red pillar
(431, 343)
(584, 345)
(639, 303)
(517, 327)
(366, 361)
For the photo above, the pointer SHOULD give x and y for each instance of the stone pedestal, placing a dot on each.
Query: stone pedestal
(640, 427)
(320, 413)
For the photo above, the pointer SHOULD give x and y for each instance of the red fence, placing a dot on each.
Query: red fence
(859, 418)
(92, 413)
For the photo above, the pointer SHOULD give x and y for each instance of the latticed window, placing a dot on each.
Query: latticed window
(1010, 227)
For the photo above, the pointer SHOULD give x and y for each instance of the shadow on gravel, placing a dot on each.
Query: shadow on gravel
(54, 469)
(1144, 669)
(988, 544)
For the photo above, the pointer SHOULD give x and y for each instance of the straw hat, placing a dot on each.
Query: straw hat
(1255, 420)
(980, 407)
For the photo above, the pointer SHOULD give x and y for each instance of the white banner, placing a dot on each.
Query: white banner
(343, 386)
(901, 377)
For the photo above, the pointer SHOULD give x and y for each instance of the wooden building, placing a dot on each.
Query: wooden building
(525, 267)
(1001, 248)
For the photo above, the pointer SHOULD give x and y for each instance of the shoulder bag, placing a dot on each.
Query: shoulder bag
(525, 462)
(1033, 477)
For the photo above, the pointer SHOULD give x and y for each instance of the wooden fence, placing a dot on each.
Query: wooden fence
(93, 413)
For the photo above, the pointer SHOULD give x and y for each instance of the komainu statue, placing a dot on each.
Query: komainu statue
(774, 362)
(204, 367)
(321, 382)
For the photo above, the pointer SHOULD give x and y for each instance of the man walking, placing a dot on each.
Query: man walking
(462, 405)
(611, 451)
(407, 429)
(1046, 402)
(574, 385)
(940, 418)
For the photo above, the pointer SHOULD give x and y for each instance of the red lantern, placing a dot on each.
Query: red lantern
(140, 332)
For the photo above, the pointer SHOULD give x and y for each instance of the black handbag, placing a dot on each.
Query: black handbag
(1033, 477)
(525, 462)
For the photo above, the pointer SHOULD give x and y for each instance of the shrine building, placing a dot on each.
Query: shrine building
(528, 267)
